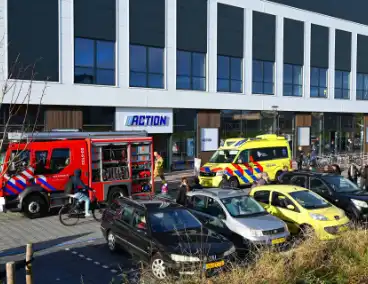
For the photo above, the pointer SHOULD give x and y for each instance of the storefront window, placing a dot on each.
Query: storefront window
(183, 146)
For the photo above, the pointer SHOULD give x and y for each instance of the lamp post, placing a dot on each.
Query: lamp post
(276, 119)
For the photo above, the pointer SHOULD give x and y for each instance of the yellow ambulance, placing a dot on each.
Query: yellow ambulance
(242, 159)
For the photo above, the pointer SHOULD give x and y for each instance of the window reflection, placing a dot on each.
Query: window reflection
(362, 86)
(94, 62)
(229, 74)
(191, 71)
(342, 84)
(293, 80)
(146, 67)
(318, 84)
(263, 77)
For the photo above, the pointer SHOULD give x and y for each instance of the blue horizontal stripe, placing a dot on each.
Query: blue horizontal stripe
(249, 173)
(241, 142)
(207, 169)
(257, 170)
(21, 183)
(241, 176)
(14, 186)
(47, 184)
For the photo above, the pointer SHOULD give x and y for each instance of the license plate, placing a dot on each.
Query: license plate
(278, 241)
(215, 264)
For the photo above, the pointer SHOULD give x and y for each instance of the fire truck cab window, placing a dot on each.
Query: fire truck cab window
(19, 160)
(41, 163)
(60, 158)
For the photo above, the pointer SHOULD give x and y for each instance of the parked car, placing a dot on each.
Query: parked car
(165, 235)
(303, 210)
(236, 215)
(336, 189)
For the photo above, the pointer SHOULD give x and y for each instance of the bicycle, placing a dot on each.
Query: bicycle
(74, 209)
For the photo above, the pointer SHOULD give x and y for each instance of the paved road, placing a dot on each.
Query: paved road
(64, 255)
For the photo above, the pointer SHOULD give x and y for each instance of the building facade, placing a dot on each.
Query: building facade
(191, 72)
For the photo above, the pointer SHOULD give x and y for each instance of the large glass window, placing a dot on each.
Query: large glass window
(362, 86)
(146, 66)
(342, 84)
(94, 61)
(263, 78)
(229, 74)
(191, 70)
(318, 83)
(293, 80)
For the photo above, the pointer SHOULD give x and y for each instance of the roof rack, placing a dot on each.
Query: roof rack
(58, 135)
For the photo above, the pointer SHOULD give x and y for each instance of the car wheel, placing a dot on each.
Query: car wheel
(233, 181)
(34, 206)
(117, 192)
(111, 241)
(158, 267)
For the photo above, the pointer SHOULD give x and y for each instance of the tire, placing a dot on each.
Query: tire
(234, 182)
(69, 212)
(116, 192)
(111, 241)
(34, 206)
(158, 267)
(97, 211)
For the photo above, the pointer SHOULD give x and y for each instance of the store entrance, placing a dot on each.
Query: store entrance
(161, 146)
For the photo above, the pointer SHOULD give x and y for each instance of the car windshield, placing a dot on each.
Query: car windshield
(242, 206)
(341, 184)
(223, 156)
(172, 220)
(309, 199)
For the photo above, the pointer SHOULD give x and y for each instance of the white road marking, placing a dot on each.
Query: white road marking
(74, 252)
(81, 255)
(97, 263)
(105, 266)
(67, 249)
(113, 270)
(89, 259)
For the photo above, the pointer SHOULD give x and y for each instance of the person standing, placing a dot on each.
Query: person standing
(181, 197)
(224, 182)
(159, 168)
(353, 173)
(300, 158)
(196, 185)
(364, 175)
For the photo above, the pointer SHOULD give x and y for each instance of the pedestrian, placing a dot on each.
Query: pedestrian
(262, 179)
(196, 185)
(81, 191)
(364, 174)
(285, 169)
(300, 158)
(353, 173)
(159, 169)
(181, 197)
(336, 169)
(224, 182)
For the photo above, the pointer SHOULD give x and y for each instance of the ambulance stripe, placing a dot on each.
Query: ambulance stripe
(216, 170)
(238, 168)
(258, 168)
(229, 172)
(249, 171)
(242, 176)
(241, 142)
(14, 186)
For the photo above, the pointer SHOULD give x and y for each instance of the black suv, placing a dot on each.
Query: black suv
(335, 188)
(165, 235)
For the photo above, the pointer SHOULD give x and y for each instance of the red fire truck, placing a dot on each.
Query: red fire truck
(37, 166)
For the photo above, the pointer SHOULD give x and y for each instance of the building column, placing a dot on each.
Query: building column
(279, 76)
(170, 43)
(353, 73)
(307, 58)
(365, 125)
(122, 43)
(248, 51)
(66, 52)
(4, 41)
(212, 46)
(331, 64)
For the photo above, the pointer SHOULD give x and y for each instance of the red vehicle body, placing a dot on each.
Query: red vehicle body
(35, 173)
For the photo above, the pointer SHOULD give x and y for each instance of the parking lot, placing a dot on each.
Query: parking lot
(64, 254)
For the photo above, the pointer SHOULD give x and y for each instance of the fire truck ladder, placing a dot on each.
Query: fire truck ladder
(56, 135)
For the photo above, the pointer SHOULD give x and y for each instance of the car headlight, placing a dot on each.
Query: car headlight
(230, 251)
(359, 203)
(220, 173)
(256, 233)
(318, 217)
(184, 258)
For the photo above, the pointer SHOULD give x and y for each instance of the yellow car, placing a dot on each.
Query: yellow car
(302, 210)
(242, 159)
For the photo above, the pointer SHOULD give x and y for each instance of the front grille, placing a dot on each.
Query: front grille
(274, 231)
(204, 174)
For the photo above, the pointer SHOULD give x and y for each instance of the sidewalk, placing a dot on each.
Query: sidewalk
(177, 175)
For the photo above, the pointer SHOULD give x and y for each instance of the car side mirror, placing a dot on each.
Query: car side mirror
(290, 207)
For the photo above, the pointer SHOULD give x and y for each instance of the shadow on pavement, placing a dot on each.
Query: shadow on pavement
(87, 264)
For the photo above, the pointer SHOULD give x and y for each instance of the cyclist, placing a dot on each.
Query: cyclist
(80, 191)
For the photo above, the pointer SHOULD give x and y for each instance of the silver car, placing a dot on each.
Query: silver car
(231, 210)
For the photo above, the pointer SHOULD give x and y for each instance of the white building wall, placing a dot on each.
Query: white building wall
(67, 93)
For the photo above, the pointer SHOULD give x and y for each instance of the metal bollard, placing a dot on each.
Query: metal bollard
(29, 257)
(10, 273)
